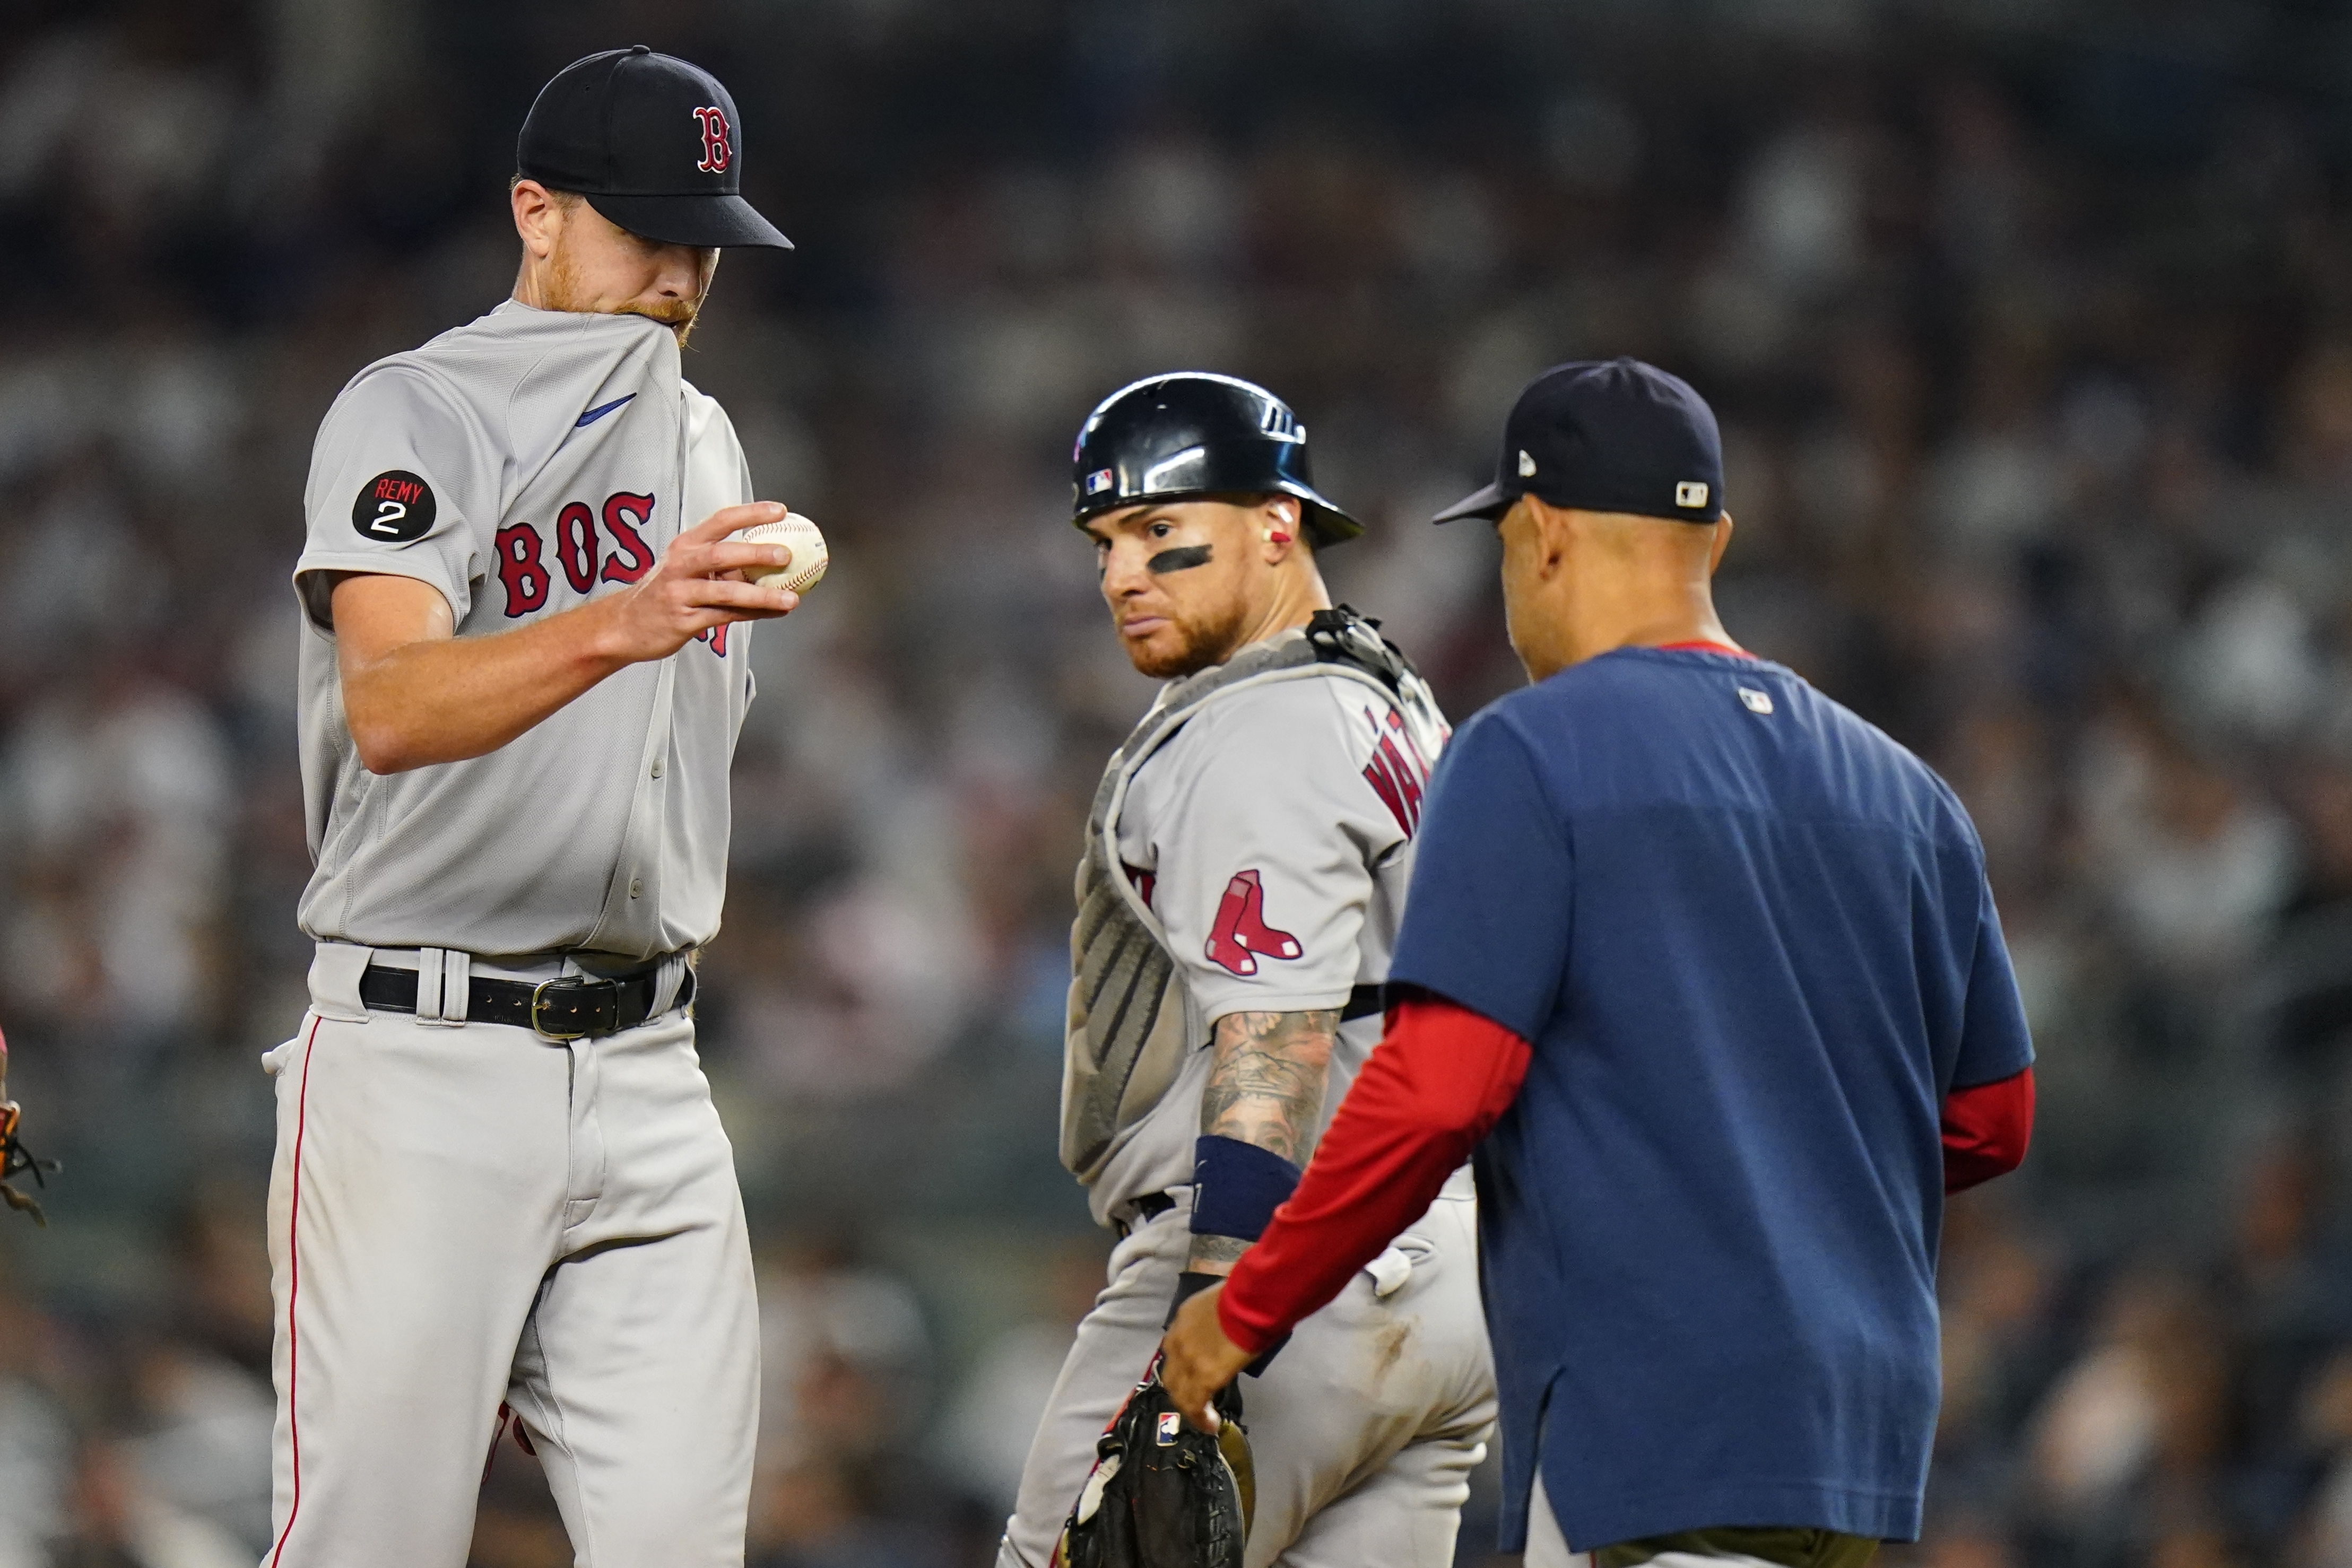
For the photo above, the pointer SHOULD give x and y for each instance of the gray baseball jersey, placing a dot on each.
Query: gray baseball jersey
(1262, 816)
(1272, 835)
(520, 464)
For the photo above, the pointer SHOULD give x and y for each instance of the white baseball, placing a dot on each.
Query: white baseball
(809, 554)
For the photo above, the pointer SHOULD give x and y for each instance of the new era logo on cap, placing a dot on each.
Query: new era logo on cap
(1527, 464)
(1691, 493)
(1098, 481)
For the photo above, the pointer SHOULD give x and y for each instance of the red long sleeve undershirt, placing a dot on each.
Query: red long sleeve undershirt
(1438, 1082)
(1986, 1129)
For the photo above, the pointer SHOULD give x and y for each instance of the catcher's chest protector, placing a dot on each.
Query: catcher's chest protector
(1129, 1031)
(1162, 1493)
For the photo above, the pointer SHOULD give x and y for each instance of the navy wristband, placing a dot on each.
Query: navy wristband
(1237, 1187)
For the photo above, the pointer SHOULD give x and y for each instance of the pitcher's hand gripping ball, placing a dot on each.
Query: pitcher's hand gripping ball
(810, 557)
(1163, 1494)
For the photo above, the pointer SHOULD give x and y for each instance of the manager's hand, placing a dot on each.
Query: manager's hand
(1198, 1359)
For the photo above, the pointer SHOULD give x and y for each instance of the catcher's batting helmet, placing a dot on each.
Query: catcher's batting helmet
(1193, 433)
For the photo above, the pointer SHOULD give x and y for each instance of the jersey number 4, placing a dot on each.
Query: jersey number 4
(579, 550)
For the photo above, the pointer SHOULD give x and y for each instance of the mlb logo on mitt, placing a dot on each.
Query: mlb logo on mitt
(1171, 1423)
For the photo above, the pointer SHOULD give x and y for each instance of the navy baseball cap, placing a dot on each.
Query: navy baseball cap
(652, 142)
(1607, 435)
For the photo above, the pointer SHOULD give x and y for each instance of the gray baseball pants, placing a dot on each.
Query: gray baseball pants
(1547, 1545)
(466, 1215)
(1364, 1431)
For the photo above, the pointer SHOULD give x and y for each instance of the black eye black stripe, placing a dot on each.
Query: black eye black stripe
(1182, 558)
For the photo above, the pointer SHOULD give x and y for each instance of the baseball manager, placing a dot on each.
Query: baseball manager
(1711, 967)
(500, 1189)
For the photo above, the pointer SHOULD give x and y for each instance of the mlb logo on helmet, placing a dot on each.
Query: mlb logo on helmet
(1098, 481)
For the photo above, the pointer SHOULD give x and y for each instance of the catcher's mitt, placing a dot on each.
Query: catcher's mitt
(1162, 1493)
(15, 1159)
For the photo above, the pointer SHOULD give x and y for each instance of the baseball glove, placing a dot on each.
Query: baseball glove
(15, 1159)
(1163, 1494)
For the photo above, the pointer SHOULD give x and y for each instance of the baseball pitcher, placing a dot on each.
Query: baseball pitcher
(499, 1180)
(1245, 864)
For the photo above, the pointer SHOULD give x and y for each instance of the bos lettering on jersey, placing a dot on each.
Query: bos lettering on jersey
(604, 542)
(590, 546)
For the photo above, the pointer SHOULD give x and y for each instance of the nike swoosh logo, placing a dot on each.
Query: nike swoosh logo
(593, 415)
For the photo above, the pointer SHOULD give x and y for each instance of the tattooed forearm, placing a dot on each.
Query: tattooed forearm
(1265, 1087)
(1220, 1253)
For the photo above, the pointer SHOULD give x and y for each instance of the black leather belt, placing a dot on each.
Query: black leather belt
(573, 1007)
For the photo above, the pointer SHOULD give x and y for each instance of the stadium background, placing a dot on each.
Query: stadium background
(2030, 328)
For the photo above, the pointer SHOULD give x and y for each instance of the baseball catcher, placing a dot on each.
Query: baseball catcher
(1244, 867)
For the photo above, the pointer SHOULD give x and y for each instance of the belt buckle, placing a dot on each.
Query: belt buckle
(538, 1002)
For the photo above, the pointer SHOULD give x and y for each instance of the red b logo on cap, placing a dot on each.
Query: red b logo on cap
(716, 152)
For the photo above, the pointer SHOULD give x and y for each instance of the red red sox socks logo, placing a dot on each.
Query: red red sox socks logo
(1241, 934)
(717, 151)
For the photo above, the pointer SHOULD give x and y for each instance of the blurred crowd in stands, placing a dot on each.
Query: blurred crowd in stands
(2031, 330)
